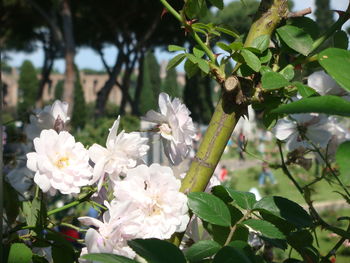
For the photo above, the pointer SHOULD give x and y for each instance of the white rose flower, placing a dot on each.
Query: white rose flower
(46, 118)
(175, 126)
(325, 84)
(154, 190)
(111, 235)
(59, 162)
(298, 127)
(122, 152)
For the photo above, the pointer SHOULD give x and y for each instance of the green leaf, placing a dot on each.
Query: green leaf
(273, 80)
(202, 63)
(305, 91)
(108, 258)
(340, 39)
(19, 253)
(198, 52)
(172, 48)
(202, 249)
(296, 38)
(157, 251)
(230, 254)
(195, 8)
(244, 200)
(175, 61)
(62, 249)
(337, 64)
(342, 159)
(218, 3)
(11, 203)
(327, 104)
(288, 72)
(227, 32)
(285, 209)
(190, 68)
(251, 60)
(31, 211)
(223, 46)
(261, 42)
(209, 208)
(265, 228)
(39, 259)
(236, 45)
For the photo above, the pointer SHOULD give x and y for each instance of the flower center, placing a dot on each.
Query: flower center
(62, 162)
(165, 129)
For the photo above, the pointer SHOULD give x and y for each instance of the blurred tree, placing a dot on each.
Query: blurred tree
(198, 98)
(151, 84)
(59, 90)
(170, 84)
(27, 87)
(324, 16)
(79, 111)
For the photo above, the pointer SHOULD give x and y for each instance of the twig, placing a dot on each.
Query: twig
(300, 13)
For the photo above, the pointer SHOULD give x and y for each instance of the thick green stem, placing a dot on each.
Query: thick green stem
(227, 112)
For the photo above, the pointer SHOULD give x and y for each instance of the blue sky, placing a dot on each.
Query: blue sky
(87, 58)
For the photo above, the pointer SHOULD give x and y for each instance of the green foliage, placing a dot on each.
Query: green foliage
(328, 104)
(273, 80)
(296, 38)
(330, 59)
(202, 249)
(209, 208)
(27, 87)
(59, 90)
(342, 158)
(107, 258)
(157, 251)
(19, 253)
(170, 85)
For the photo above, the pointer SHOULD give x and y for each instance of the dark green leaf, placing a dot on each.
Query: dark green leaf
(286, 209)
(273, 80)
(11, 203)
(342, 159)
(307, 24)
(107, 258)
(172, 48)
(251, 60)
(202, 249)
(262, 42)
(209, 208)
(157, 251)
(62, 249)
(244, 200)
(337, 63)
(19, 253)
(299, 239)
(266, 56)
(288, 72)
(304, 91)
(244, 248)
(340, 39)
(265, 228)
(175, 61)
(227, 32)
(218, 3)
(327, 104)
(39, 259)
(296, 38)
(195, 8)
(230, 254)
(190, 68)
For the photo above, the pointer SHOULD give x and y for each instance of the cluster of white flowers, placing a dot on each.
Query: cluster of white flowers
(147, 199)
(310, 130)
